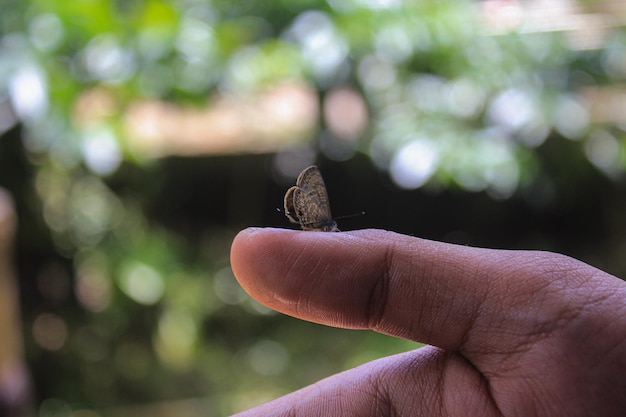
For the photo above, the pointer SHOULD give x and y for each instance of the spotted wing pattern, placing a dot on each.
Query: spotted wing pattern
(307, 203)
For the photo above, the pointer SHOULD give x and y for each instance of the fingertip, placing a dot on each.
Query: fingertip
(275, 266)
(245, 247)
(307, 274)
(253, 254)
(256, 237)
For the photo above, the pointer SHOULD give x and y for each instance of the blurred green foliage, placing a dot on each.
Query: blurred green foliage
(135, 310)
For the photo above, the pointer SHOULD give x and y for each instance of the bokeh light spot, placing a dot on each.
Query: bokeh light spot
(604, 151)
(50, 331)
(227, 288)
(268, 357)
(176, 337)
(414, 164)
(142, 283)
(571, 117)
(101, 151)
(28, 92)
(46, 31)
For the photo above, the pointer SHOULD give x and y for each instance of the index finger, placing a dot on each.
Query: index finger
(454, 297)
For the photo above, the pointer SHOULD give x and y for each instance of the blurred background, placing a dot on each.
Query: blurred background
(137, 137)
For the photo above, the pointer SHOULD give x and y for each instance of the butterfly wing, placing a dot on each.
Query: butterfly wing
(290, 210)
(310, 213)
(310, 180)
(310, 201)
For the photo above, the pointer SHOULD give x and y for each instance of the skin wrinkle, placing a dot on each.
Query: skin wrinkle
(454, 298)
(555, 281)
(586, 319)
(332, 315)
(386, 384)
(409, 368)
(471, 325)
(460, 298)
(394, 273)
(528, 406)
(448, 379)
(441, 382)
(484, 385)
(291, 412)
(440, 391)
(551, 348)
(620, 344)
(541, 331)
(396, 269)
(344, 397)
(316, 279)
(381, 402)
(317, 276)
(566, 318)
(378, 299)
(533, 329)
(482, 312)
(453, 400)
(420, 275)
(292, 266)
(312, 391)
(595, 300)
(501, 402)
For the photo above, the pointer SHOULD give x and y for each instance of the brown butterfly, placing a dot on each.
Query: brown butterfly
(306, 202)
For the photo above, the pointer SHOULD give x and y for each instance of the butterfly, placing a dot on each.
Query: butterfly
(306, 202)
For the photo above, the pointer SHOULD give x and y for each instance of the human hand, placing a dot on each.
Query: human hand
(512, 333)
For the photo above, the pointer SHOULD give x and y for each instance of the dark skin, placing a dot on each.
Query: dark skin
(511, 333)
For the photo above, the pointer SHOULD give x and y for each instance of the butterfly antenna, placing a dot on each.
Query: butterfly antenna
(350, 215)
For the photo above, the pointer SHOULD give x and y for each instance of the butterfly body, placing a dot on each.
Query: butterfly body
(306, 203)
